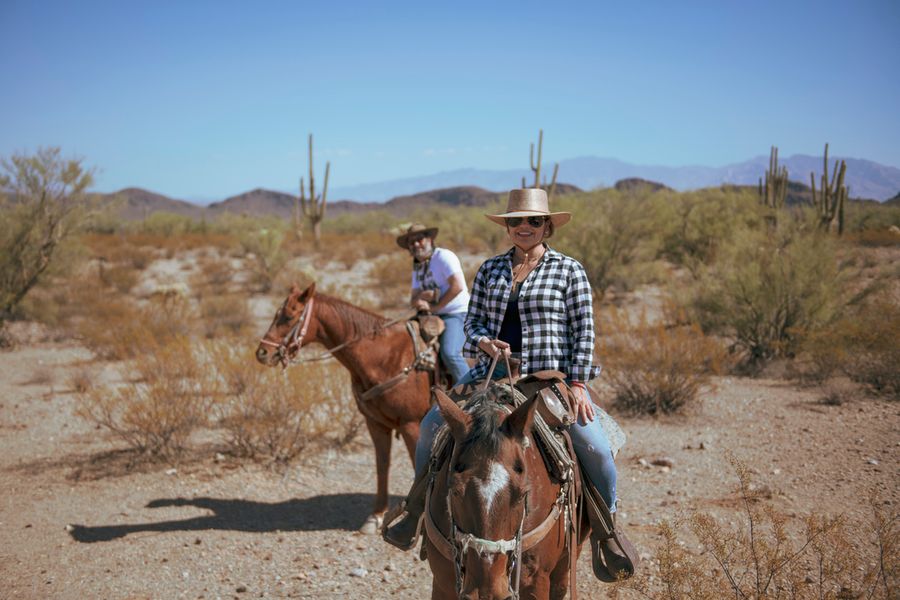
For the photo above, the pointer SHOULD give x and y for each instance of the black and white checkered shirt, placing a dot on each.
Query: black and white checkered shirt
(556, 312)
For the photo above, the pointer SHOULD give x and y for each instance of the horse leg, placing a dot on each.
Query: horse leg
(410, 433)
(381, 438)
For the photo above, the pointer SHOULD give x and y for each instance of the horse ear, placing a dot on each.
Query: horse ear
(308, 292)
(519, 423)
(457, 419)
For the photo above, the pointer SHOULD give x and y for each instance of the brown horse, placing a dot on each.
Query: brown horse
(496, 524)
(375, 352)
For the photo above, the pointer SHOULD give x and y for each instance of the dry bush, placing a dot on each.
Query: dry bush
(120, 277)
(390, 279)
(862, 345)
(214, 276)
(875, 237)
(276, 414)
(292, 274)
(263, 247)
(81, 380)
(655, 369)
(157, 415)
(224, 315)
(119, 328)
(760, 559)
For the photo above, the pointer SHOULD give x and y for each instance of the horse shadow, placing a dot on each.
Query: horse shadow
(319, 513)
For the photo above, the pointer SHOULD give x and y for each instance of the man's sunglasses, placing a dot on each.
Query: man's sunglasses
(532, 221)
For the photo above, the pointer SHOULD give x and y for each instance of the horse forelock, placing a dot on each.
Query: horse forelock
(484, 431)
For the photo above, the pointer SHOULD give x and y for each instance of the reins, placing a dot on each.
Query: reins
(289, 347)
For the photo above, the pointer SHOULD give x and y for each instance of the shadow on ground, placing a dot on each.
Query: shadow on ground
(319, 513)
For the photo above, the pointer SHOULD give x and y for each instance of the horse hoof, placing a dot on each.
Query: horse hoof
(372, 525)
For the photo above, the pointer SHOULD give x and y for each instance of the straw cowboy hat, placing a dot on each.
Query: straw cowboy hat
(403, 239)
(530, 202)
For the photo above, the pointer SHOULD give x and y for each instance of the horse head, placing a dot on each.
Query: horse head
(290, 329)
(487, 491)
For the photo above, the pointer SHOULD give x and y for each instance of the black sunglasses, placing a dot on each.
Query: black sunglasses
(532, 221)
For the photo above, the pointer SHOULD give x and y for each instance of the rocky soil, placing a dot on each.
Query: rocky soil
(78, 521)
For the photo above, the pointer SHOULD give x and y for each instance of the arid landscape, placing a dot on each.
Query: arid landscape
(84, 517)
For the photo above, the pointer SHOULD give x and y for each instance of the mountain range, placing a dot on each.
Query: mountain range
(865, 178)
(476, 187)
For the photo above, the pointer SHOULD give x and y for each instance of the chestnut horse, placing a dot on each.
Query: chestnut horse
(496, 525)
(375, 352)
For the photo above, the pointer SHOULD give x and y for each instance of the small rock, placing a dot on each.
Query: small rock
(643, 462)
(358, 572)
(872, 461)
(776, 471)
(171, 471)
(703, 446)
(197, 542)
(219, 457)
(664, 469)
(663, 461)
(241, 589)
(70, 528)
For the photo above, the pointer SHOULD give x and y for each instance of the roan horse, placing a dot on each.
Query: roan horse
(376, 352)
(497, 525)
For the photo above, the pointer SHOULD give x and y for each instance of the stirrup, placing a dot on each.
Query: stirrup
(406, 542)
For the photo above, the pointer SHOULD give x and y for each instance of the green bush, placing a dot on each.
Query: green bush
(767, 290)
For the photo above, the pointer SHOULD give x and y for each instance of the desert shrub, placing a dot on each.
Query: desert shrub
(43, 204)
(119, 328)
(390, 278)
(276, 414)
(165, 224)
(120, 277)
(862, 344)
(81, 380)
(214, 276)
(612, 236)
(263, 248)
(769, 289)
(291, 274)
(224, 315)
(695, 224)
(760, 559)
(156, 415)
(652, 368)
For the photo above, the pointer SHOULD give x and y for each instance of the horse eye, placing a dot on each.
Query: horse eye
(518, 467)
(459, 467)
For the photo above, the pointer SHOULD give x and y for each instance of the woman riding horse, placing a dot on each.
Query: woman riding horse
(533, 303)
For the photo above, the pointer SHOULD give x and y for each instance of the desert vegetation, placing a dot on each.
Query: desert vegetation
(688, 287)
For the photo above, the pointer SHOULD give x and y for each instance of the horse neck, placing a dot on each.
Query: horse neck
(339, 322)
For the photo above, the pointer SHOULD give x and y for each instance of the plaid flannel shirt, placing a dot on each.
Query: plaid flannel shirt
(555, 308)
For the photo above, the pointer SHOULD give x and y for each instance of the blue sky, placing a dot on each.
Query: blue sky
(202, 100)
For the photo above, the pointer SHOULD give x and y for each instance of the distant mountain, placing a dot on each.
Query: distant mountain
(866, 179)
(135, 203)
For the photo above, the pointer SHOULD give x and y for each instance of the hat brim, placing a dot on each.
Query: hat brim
(557, 218)
(403, 240)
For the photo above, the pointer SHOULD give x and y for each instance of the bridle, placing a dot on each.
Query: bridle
(287, 349)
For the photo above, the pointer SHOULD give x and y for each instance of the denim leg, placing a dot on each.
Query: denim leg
(595, 455)
(434, 419)
(451, 345)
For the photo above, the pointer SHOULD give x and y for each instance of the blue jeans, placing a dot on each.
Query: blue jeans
(451, 345)
(589, 440)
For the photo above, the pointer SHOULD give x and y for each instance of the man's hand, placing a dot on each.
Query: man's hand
(584, 408)
(421, 306)
(494, 347)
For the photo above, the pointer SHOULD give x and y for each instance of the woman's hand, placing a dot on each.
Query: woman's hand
(493, 348)
(584, 408)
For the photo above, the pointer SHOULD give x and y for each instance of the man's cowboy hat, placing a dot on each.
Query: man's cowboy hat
(530, 202)
(403, 239)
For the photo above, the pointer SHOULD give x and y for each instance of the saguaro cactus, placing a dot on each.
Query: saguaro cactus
(830, 202)
(775, 190)
(314, 207)
(536, 168)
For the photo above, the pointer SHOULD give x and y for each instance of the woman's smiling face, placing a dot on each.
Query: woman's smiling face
(526, 233)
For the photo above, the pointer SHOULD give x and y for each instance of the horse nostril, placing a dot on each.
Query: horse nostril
(261, 354)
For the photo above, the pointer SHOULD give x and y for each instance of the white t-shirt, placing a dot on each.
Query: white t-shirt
(434, 274)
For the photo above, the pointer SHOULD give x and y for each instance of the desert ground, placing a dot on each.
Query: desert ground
(80, 519)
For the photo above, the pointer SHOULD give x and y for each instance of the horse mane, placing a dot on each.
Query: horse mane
(360, 320)
(484, 430)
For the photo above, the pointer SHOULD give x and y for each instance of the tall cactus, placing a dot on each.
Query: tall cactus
(830, 202)
(314, 207)
(536, 168)
(775, 190)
